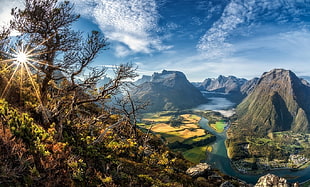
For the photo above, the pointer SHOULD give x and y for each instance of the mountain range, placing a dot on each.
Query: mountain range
(277, 101)
(233, 88)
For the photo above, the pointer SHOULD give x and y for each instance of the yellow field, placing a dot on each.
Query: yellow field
(188, 132)
(188, 129)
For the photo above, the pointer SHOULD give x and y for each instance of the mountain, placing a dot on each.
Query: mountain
(280, 101)
(169, 90)
(223, 84)
(230, 86)
(143, 79)
(307, 78)
(249, 86)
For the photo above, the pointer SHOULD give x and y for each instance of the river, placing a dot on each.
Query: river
(218, 159)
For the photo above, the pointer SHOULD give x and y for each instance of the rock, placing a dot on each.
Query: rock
(227, 184)
(198, 170)
(271, 180)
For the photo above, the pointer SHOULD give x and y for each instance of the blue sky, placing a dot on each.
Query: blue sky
(202, 38)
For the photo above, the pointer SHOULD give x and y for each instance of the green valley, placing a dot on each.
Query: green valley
(181, 131)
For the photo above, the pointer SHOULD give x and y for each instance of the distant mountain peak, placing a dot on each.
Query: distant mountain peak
(169, 90)
(230, 85)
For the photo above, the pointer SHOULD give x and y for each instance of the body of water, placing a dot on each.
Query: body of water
(216, 103)
(218, 157)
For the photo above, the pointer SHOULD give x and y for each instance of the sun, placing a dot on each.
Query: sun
(21, 57)
(24, 61)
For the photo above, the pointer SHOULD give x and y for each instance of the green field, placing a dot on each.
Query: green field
(219, 126)
(196, 154)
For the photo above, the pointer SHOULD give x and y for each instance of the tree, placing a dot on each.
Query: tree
(61, 61)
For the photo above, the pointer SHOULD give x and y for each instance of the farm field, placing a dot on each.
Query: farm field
(219, 126)
(181, 131)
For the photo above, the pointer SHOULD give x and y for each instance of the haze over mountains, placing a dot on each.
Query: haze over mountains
(234, 88)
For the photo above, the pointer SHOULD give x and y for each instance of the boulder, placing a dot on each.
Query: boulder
(271, 180)
(198, 170)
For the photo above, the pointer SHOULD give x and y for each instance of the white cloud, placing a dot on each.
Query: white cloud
(216, 42)
(121, 51)
(131, 22)
(289, 50)
(5, 10)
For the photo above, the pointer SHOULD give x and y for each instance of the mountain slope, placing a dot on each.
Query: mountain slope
(249, 86)
(280, 101)
(169, 90)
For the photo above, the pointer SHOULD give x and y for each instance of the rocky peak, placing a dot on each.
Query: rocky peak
(169, 90)
(280, 76)
(169, 78)
(167, 75)
(271, 180)
(223, 84)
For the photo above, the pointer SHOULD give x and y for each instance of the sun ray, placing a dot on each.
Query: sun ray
(44, 41)
(37, 92)
(9, 82)
(21, 81)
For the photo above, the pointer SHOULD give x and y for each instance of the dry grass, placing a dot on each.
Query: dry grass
(163, 127)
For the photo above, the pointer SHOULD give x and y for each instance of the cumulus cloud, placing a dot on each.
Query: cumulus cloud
(130, 22)
(216, 42)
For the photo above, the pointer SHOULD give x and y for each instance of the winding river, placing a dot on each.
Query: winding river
(218, 159)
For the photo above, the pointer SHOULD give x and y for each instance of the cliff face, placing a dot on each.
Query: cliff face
(280, 101)
(169, 90)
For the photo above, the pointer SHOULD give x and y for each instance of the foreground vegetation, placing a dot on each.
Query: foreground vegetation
(32, 155)
(181, 131)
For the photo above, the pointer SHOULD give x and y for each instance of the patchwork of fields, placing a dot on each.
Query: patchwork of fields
(181, 131)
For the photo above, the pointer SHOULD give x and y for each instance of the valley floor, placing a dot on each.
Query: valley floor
(181, 131)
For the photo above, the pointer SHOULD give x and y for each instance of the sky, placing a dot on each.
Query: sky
(201, 38)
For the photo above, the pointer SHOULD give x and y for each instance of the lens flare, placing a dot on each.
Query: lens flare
(24, 60)
(21, 57)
